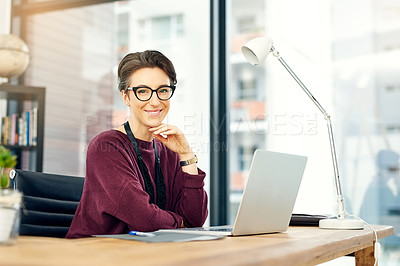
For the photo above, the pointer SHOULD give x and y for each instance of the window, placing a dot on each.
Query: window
(349, 61)
(247, 89)
(245, 24)
(162, 28)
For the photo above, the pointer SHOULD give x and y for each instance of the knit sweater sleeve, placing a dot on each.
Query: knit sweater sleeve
(191, 201)
(185, 192)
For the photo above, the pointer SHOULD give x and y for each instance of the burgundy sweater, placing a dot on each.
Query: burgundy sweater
(114, 199)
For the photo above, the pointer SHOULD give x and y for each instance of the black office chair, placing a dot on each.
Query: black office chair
(49, 201)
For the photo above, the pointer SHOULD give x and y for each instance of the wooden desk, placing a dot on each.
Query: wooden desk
(297, 246)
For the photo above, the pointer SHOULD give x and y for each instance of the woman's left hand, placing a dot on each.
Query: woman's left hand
(173, 138)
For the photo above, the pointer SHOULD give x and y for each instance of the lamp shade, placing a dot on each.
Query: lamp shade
(256, 50)
(14, 56)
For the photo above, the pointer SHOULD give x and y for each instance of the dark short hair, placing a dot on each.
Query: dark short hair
(147, 59)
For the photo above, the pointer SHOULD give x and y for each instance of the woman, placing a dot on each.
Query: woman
(143, 175)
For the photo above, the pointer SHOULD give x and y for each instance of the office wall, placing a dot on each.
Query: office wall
(73, 57)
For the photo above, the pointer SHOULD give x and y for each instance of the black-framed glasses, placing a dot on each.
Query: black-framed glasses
(144, 93)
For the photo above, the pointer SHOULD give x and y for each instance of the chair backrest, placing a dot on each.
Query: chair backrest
(49, 201)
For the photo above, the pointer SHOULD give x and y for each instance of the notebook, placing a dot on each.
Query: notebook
(268, 198)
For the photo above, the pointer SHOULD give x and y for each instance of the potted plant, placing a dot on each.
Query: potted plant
(7, 161)
(9, 199)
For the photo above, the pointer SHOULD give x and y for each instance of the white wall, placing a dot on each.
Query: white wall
(5, 16)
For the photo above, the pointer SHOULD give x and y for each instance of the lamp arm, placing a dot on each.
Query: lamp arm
(341, 210)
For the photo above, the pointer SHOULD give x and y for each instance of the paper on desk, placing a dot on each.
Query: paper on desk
(164, 237)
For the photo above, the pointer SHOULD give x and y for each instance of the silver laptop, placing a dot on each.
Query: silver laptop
(268, 198)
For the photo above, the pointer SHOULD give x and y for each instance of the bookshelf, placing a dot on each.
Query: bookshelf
(17, 102)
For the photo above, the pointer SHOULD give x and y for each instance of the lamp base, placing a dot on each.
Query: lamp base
(341, 224)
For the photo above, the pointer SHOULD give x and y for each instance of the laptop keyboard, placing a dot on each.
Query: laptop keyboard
(213, 229)
(220, 229)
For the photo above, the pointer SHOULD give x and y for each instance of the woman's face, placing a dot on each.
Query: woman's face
(152, 112)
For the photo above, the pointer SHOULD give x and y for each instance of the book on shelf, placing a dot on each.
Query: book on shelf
(3, 113)
(13, 130)
(19, 129)
(34, 126)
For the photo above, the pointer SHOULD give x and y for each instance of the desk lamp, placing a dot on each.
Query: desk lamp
(255, 51)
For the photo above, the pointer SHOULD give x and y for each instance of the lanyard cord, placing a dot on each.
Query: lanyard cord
(160, 185)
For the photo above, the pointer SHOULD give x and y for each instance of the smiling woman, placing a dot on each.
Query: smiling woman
(143, 175)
